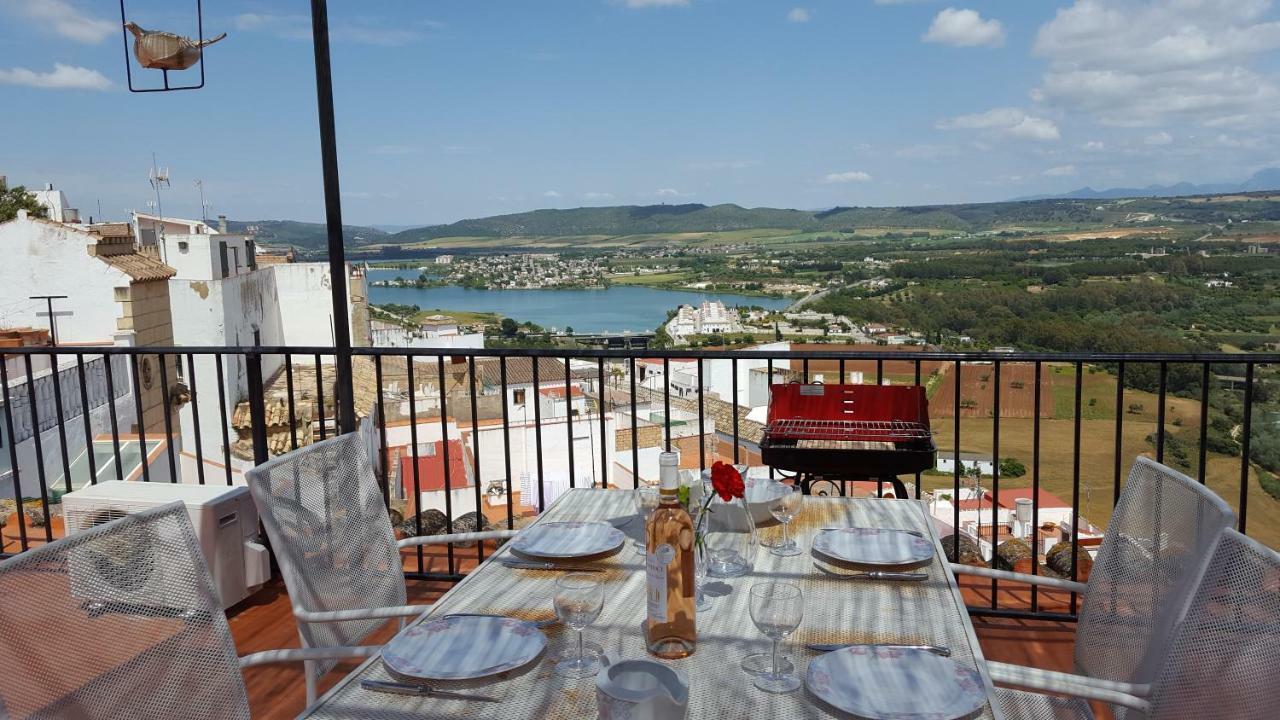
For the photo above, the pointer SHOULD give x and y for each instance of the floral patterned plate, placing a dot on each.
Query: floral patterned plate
(873, 546)
(461, 647)
(880, 683)
(562, 540)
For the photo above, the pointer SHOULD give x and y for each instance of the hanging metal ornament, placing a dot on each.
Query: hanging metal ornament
(165, 51)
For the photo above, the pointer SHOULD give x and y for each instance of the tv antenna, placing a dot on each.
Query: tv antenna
(204, 206)
(158, 176)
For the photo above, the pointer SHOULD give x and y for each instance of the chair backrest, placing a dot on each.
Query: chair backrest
(328, 524)
(117, 621)
(1224, 653)
(1157, 542)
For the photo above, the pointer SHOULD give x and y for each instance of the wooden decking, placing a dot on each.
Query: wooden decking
(265, 622)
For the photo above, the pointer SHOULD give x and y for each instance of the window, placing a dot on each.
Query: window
(183, 246)
(517, 397)
(222, 252)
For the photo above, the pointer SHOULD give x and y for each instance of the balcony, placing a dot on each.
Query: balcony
(490, 437)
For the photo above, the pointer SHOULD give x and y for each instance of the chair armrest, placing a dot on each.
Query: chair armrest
(328, 616)
(1067, 585)
(457, 538)
(303, 654)
(1117, 693)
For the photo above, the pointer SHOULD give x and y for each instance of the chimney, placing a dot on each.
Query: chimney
(48, 186)
(222, 223)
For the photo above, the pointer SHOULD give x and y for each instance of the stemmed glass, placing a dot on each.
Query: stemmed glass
(784, 509)
(776, 609)
(646, 499)
(579, 599)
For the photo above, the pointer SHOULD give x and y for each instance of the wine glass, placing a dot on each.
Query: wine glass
(579, 599)
(776, 609)
(784, 509)
(700, 567)
(646, 499)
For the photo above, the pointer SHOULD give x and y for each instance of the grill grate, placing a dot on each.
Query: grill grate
(845, 431)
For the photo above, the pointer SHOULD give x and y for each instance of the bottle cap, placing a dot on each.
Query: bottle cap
(668, 471)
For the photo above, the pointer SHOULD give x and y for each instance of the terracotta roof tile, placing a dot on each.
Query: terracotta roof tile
(139, 267)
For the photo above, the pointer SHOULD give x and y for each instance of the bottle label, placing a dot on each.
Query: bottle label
(656, 579)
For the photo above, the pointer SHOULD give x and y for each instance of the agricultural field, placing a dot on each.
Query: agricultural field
(650, 279)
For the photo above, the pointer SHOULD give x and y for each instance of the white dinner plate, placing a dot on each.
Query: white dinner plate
(562, 540)
(873, 546)
(882, 683)
(462, 647)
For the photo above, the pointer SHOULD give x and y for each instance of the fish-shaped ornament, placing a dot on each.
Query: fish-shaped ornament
(165, 51)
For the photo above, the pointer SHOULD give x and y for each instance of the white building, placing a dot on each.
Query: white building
(435, 331)
(710, 317)
(946, 463)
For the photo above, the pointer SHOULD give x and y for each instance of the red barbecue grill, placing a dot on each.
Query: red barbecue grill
(836, 433)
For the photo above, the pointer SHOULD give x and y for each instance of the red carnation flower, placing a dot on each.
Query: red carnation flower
(727, 481)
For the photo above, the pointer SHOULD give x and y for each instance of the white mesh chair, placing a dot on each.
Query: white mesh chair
(1158, 539)
(1220, 657)
(122, 621)
(332, 537)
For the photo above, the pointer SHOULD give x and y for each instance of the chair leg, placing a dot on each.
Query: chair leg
(309, 669)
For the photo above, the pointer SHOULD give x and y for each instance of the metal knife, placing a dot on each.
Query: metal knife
(529, 565)
(830, 647)
(917, 533)
(397, 688)
(874, 575)
(537, 623)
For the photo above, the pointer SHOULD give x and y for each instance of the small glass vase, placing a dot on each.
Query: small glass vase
(728, 537)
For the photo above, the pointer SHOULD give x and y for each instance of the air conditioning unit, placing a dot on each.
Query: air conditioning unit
(226, 525)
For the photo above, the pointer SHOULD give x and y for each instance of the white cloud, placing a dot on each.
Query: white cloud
(1094, 146)
(1160, 138)
(1061, 171)
(670, 192)
(597, 196)
(551, 194)
(798, 15)
(361, 31)
(62, 77)
(653, 3)
(64, 19)
(1009, 121)
(964, 28)
(847, 177)
(1148, 62)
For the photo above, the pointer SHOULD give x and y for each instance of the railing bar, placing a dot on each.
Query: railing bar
(879, 371)
(115, 421)
(955, 505)
(56, 377)
(195, 417)
(142, 431)
(1119, 460)
(918, 480)
(1164, 381)
(1035, 488)
(804, 376)
(702, 432)
(324, 433)
(383, 460)
(568, 420)
(506, 441)
(293, 415)
(413, 455)
(1246, 431)
(163, 361)
(733, 367)
(444, 455)
(481, 520)
(842, 375)
(604, 461)
(88, 421)
(13, 458)
(222, 412)
(1075, 486)
(35, 433)
(1204, 421)
(635, 438)
(995, 480)
(769, 383)
(532, 397)
(666, 400)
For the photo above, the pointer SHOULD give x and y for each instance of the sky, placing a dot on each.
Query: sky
(449, 109)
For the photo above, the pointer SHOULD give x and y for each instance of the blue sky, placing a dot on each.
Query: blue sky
(462, 108)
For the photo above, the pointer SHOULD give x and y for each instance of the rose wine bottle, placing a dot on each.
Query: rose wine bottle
(670, 631)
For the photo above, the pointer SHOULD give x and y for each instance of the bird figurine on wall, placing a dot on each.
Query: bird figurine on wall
(165, 51)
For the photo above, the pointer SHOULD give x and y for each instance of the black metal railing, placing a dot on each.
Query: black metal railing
(185, 436)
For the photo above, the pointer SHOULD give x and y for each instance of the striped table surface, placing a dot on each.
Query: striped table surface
(837, 610)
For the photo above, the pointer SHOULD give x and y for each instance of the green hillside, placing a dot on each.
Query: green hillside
(304, 235)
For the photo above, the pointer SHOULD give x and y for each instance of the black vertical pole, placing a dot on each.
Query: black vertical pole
(345, 399)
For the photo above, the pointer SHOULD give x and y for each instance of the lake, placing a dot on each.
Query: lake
(614, 309)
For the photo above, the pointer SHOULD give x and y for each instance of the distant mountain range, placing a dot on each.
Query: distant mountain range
(1268, 179)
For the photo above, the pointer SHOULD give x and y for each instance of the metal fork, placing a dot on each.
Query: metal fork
(398, 688)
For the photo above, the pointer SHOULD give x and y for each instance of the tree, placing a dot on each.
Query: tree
(17, 198)
(568, 330)
(1012, 468)
(777, 331)
(509, 327)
